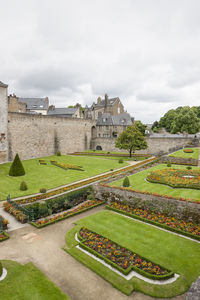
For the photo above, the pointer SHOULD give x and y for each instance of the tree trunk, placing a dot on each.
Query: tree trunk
(130, 153)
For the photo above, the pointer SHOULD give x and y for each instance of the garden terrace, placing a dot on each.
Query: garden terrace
(145, 240)
(176, 178)
(48, 176)
(27, 282)
(139, 184)
(185, 154)
(82, 183)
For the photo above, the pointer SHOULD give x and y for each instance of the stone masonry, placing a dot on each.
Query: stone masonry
(3, 123)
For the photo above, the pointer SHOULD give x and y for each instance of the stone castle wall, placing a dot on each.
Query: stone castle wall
(37, 135)
(155, 144)
(3, 123)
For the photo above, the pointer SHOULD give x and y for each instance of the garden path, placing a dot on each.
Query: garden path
(43, 248)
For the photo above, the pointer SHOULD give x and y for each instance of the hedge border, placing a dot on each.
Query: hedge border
(155, 223)
(57, 220)
(6, 236)
(128, 270)
(173, 186)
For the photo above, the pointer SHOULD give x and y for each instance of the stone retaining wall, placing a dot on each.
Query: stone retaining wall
(171, 207)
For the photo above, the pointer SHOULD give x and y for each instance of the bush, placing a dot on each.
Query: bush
(43, 190)
(1, 269)
(188, 150)
(23, 186)
(189, 168)
(43, 210)
(16, 168)
(58, 153)
(169, 164)
(120, 161)
(126, 182)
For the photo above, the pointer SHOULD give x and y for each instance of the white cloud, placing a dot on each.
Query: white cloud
(145, 52)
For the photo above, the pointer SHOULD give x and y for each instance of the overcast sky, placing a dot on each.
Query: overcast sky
(147, 52)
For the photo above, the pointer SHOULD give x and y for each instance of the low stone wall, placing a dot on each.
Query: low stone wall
(179, 160)
(171, 207)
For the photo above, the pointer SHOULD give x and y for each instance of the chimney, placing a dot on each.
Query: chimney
(106, 100)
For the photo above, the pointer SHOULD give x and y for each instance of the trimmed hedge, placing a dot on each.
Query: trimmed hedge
(126, 271)
(65, 217)
(155, 223)
(16, 168)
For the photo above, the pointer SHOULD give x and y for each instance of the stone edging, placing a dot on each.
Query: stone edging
(131, 274)
(4, 274)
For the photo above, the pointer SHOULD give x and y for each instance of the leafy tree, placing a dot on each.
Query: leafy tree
(16, 168)
(141, 127)
(131, 139)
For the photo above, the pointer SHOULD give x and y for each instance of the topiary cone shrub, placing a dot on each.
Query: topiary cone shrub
(16, 168)
(126, 182)
(1, 269)
(23, 186)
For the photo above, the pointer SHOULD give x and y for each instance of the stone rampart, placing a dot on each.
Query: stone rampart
(155, 144)
(37, 135)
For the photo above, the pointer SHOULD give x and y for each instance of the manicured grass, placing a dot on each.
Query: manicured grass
(175, 253)
(138, 182)
(181, 153)
(49, 176)
(136, 158)
(27, 282)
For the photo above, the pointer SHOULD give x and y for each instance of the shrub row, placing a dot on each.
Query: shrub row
(111, 154)
(66, 166)
(82, 183)
(179, 160)
(64, 215)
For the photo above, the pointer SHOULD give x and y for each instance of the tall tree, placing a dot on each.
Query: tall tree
(131, 139)
(141, 127)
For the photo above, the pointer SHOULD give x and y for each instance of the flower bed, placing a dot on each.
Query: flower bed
(82, 183)
(186, 228)
(66, 166)
(3, 223)
(188, 150)
(3, 236)
(176, 178)
(18, 214)
(66, 214)
(121, 258)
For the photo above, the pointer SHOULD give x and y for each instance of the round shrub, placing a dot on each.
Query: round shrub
(126, 182)
(120, 161)
(189, 168)
(16, 168)
(169, 164)
(1, 269)
(23, 186)
(58, 153)
(43, 190)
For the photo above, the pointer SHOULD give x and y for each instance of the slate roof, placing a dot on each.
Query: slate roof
(111, 102)
(35, 103)
(3, 84)
(62, 111)
(107, 119)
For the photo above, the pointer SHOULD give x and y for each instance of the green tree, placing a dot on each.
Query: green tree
(141, 127)
(126, 182)
(131, 139)
(16, 168)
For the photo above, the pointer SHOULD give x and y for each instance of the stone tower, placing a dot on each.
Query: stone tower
(3, 122)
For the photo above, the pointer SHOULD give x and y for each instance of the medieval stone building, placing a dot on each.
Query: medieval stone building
(3, 122)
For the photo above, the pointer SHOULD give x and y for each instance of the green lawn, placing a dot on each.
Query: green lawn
(50, 176)
(181, 153)
(136, 158)
(27, 283)
(138, 182)
(175, 253)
